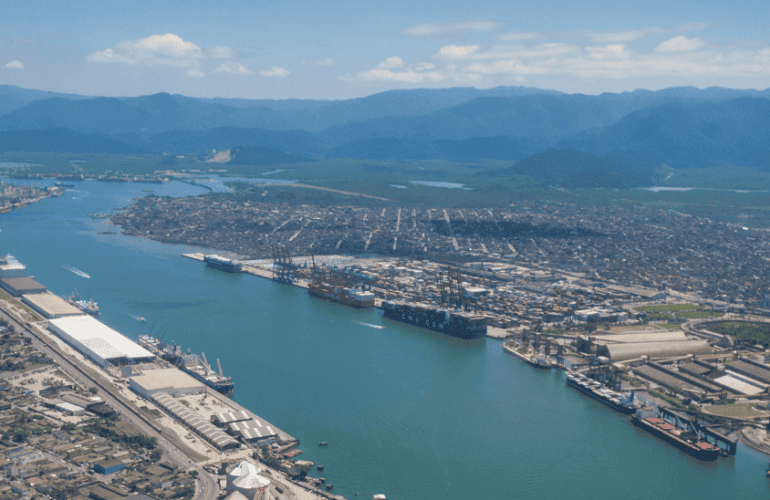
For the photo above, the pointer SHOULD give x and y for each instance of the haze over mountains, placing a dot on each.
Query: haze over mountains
(683, 127)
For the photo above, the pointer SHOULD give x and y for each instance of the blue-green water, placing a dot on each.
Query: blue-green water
(409, 413)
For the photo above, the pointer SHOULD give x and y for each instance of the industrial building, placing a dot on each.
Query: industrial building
(195, 422)
(222, 419)
(253, 431)
(622, 352)
(97, 341)
(171, 381)
(50, 305)
(245, 478)
(22, 286)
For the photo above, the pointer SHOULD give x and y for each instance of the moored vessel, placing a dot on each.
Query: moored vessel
(354, 297)
(685, 438)
(451, 322)
(223, 264)
(624, 403)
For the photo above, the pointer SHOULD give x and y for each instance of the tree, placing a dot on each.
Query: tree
(93, 390)
(155, 455)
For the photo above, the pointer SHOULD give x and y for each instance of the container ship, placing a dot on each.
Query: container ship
(223, 264)
(354, 297)
(194, 365)
(600, 392)
(455, 323)
(685, 438)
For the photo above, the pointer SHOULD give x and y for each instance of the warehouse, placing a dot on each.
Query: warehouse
(50, 305)
(194, 421)
(222, 419)
(622, 352)
(171, 381)
(592, 344)
(97, 341)
(21, 286)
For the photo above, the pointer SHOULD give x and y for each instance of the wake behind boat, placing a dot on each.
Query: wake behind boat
(370, 325)
(76, 271)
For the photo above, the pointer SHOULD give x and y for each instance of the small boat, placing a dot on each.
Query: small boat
(323, 443)
(138, 318)
(76, 271)
(87, 306)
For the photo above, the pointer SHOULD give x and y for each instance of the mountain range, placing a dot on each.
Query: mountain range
(683, 127)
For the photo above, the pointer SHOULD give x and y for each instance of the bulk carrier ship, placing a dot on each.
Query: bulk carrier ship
(194, 365)
(682, 435)
(600, 392)
(455, 323)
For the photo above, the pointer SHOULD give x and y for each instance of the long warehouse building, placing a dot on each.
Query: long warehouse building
(97, 341)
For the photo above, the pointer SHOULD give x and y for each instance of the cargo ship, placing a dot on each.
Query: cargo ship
(624, 403)
(355, 297)
(455, 323)
(223, 264)
(87, 306)
(194, 365)
(685, 438)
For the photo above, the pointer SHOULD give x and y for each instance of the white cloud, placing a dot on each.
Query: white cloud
(620, 36)
(408, 76)
(324, 62)
(391, 62)
(424, 66)
(515, 36)
(680, 44)
(168, 50)
(608, 51)
(457, 51)
(195, 73)
(222, 52)
(453, 28)
(276, 71)
(233, 68)
(15, 64)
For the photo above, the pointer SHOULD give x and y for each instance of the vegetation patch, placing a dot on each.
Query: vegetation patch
(737, 410)
(670, 308)
(701, 314)
(744, 331)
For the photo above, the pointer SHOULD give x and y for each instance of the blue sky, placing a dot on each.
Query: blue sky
(342, 49)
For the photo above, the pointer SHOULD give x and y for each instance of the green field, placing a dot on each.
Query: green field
(745, 332)
(717, 197)
(670, 308)
(738, 410)
(701, 314)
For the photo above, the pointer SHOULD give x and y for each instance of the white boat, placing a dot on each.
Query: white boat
(76, 271)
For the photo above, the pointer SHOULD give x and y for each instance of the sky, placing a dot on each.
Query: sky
(340, 49)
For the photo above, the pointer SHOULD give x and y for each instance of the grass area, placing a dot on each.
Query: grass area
(671, 400)
(670, 308)
(668, 326)
(744, 331)
(737, 410)
(701, 314)
(658, 317)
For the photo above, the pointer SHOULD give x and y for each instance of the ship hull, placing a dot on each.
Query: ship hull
(626, 410)
(690, 449)
(339, 298)
(431, 320)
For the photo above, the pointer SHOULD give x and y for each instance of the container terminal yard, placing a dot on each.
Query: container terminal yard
(197, 443)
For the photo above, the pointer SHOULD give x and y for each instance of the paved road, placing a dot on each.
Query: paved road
(206, 486)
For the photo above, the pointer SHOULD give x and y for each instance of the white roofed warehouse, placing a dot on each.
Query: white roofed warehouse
(97, 341)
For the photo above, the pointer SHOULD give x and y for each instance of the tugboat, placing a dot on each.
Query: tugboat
(323, 443)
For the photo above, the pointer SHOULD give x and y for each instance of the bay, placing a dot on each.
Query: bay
(409, 413)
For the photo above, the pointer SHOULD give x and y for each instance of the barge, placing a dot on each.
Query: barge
(455, 323)
(600, 392)
(686, 439)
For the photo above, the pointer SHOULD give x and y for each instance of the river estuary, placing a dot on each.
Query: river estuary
(409, 413)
